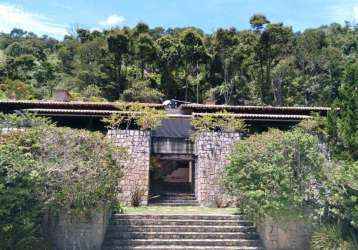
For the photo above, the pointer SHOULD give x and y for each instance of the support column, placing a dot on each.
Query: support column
(135, 166)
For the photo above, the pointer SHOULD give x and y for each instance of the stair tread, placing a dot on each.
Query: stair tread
(197, 233)
(176, 215)
(174, 247)
(192, 240)
(180, 220)
(189, 226)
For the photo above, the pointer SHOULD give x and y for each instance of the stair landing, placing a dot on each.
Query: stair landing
(174, 199)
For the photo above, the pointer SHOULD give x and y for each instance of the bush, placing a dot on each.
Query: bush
(332, 237)
(20, 207)
(342, 201)
(50, 169)
(275, 171)
(23, 120)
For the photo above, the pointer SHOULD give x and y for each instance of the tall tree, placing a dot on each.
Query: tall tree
(194, 54)
(343, 121)
(118, 45)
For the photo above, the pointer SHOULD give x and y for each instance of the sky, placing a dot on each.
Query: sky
(56, 17)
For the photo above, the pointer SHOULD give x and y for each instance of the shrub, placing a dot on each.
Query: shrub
(274, 171)
(20, 207)
(223, 122)
(137, 197)
(220, 121)
(50, 169)
(342, 201)
(327, 237)
(332, 237)
(135, 114)
(23, 120)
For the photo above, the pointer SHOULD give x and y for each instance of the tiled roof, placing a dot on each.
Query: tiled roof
(22, 104)
(75, 112)
(253, 109)
(260, 116)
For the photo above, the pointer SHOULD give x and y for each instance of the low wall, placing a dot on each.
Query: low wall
(66, 232)
(135, 167)
(10, 130)
(290, 234)
(212, 150)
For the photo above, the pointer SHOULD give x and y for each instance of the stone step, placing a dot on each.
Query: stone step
(178, 217)
(175, 229)
(166, 204)
(185, 242)
(180, 222)
(173, 201)
(174, 247)
(175, 194)
(179, 235)
(183, 196)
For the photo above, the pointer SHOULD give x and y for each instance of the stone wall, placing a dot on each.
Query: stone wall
(10, 130)
(289, 234)
(66, 232)
(212, 150)
(136, 164)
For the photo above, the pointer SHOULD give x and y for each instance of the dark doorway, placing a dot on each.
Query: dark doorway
(171, 176)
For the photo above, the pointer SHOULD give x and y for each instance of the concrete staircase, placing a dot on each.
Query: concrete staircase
(174, 199)
(189, 232)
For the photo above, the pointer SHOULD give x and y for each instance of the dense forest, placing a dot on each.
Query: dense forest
(269, 64)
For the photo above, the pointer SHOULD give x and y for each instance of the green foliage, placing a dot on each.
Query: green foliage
(138, 114)
(313, 125)
(142, 92)
(16, 89)
(269, 64)
(23, 120)
(45, 168)
(258, 21)
(274, 172)
(20, 207)
(332, 237)
(220, 121)
(342, 181)
(343, 120)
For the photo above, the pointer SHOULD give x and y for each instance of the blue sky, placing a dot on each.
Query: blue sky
(55, 17)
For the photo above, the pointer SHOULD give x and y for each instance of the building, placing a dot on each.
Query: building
(167, 160)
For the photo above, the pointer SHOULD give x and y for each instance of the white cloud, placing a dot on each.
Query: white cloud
(14, 16)
(355, 11)
(112, 20)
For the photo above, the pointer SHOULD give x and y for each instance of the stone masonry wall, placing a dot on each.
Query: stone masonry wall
(10, 130)
(66, 232)
(290, 234)
(136, 164)
(212, 150)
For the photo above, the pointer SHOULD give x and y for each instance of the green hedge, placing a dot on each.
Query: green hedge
(274, 171)
(50, 168)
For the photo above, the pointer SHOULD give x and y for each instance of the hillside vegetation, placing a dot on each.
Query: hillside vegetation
(268, 64)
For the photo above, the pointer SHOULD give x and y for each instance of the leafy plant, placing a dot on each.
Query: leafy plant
(342, 183)
(46, 168)
(275, 171)
(23, 120)
(343, 120)
(20, 207)
(327, 237)
(333, 237)
(137, 196)
(135, 114)
(219, 122)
